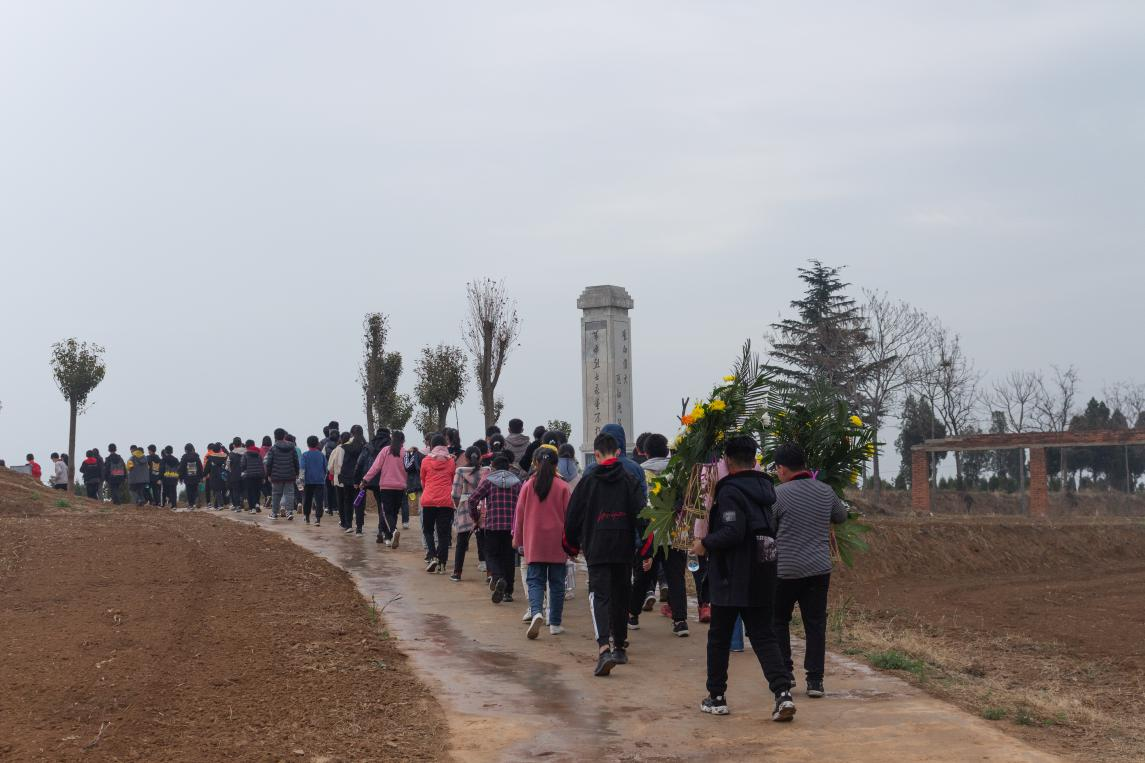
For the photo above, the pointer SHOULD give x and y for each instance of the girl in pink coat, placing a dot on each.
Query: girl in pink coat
(538, 528)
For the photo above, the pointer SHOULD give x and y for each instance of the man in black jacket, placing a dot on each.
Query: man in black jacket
(282, 468)
(114, 473)
(740, 545)
(602, 520)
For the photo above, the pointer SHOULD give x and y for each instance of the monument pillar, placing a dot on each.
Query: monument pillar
(606, 362)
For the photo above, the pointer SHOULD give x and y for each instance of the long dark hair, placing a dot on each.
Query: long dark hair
(545, 460)
(397, 440)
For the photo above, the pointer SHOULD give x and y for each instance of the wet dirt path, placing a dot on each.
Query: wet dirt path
(511, 699)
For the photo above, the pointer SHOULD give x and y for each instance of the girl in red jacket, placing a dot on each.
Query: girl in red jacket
(437, 502)
(539, 527)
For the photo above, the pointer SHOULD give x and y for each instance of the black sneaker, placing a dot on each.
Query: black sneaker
(815, 689)
(431, 566)
(649, 601)
(681, 630)
(620, 656)
(381, 539)
(663, 594)
(395, 538)
(498, 591)
(508, 598)
(455, 578)
(605, 663)
(634, 622)
(784, 707)
(714, 705)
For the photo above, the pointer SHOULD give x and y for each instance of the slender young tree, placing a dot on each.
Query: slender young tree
(441, 381)
(1054, 408)
(78, 368)
(1015, 397)
(378, 374)
(490, 331)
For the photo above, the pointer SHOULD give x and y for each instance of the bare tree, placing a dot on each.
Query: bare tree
(897, 334)
(1015, 397)
(1054, 407)
(956, 381)
(490, 330)
(1127, 397)
(78, 368)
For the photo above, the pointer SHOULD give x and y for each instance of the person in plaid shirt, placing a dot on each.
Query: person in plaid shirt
(499, 490)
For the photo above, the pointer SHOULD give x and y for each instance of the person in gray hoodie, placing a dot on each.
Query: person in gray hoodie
(517, 443)
(282, 467)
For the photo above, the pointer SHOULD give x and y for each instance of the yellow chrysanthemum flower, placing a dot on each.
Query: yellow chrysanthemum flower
(856, 421)
(698, 412)
(759, 458)
(854, 478)
(719, 436)
(729, 378)
(656, 488)
(717, 405)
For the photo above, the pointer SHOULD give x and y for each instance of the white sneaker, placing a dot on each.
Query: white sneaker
(570, 595)
(481, 566)
(535, 626)
(527, 616)
(556, 630)
(394, 540)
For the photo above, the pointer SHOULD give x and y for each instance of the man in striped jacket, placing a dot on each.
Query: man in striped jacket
(805, 509)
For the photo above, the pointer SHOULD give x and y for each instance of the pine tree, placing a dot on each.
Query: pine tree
(918, 424)
(825, 344)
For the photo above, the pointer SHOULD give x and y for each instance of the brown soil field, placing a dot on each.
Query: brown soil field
(135, 634)
(1039, 625)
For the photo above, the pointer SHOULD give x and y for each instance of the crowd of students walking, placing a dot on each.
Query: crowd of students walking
(528, 507)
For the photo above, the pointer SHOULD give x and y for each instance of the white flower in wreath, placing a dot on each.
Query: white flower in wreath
(766, 420)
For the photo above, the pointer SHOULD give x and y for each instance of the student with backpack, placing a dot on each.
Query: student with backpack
(602, 520)
(466, 479)
(139, 476)
(538, 528)
(740, 544)
(170, 477)
(155, 467)
(114, 474)
(332, 441)
(216, 467)
(92, 474)
(353, 517)
(413, 461)
(190, 472)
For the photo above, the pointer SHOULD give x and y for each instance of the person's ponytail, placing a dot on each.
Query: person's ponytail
(545, 460)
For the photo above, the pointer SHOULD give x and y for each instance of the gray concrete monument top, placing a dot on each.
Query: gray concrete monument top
(606, 362)
(605, 296)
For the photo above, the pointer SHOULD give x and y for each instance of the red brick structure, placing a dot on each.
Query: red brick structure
(1036, 442)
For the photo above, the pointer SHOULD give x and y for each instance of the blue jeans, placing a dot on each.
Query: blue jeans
(553, 574)
(737, 635)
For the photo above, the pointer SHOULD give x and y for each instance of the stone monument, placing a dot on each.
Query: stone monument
(606, 356)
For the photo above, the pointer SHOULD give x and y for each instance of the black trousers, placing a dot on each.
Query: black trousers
(92, 489)
(313, 495)
(142, 493)
(156, 492)
(811, 595)
(218, 490)
(253, 489)
(609, 589)
(479, 534)
(462, 549)
(437, 529)
(170, 491)
(499, 557)
(192, 486)
(757, 625)
(115, 490)
(333, 499)
(391, 503)
(351, 514)
(672, 565)
(237, 490)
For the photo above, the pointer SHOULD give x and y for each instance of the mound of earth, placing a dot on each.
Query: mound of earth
(139, 634)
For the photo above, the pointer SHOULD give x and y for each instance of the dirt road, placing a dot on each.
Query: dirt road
(508, 698)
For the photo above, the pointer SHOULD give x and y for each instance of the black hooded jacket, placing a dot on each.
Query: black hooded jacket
(366, 459)
(350, 452)
(282, 463)
(114, 470)
(190, 467)
(741, 512)
(602, 514)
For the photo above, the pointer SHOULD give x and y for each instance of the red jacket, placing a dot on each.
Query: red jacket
(37, 472)
(437, 470)
(539, 526)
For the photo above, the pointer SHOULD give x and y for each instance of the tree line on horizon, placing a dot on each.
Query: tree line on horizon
(892, 361)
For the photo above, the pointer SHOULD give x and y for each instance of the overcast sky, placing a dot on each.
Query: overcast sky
(218, 191)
